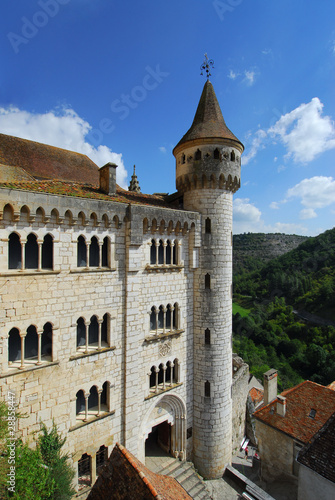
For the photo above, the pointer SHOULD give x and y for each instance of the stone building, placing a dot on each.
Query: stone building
(116, 305)
(286, 423)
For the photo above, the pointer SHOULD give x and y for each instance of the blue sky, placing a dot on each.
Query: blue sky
(120, 81)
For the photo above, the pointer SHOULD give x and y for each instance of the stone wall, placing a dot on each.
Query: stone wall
(239, 396)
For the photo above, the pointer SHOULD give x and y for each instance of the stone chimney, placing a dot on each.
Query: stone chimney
(270, 386)
(281, 406)
(108, 178)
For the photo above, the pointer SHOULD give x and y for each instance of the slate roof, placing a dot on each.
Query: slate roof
(208, 120)
(300, 400)
(46, 162)
(124, 477)
(319, 455)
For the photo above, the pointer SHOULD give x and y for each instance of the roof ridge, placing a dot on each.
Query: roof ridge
(47, 145)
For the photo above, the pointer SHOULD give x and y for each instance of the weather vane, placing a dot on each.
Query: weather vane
(207, 65)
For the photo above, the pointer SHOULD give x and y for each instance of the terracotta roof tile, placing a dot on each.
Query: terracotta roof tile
(257, 395)
(46, 162)
(300, 400)
(87, 191)
(124, 477)
(319, 455)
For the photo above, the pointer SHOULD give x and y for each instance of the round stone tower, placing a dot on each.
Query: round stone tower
(208, 165)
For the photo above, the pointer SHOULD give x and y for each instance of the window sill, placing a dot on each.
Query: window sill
(93, 269)
(81, 423)
(14, 370)
(92, 352)
(28, 272)
(163, 268)
(162, 391)
(160, 336)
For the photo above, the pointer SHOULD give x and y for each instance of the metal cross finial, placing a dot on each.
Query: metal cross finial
(207, 64)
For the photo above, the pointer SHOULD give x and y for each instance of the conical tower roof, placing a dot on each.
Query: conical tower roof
(208, 121)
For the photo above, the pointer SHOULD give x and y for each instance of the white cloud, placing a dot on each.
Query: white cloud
(307, 213)
(257, 143)
(246, 217)
(62, 128)
(316, 192)
(162, 149)
(249, 77)
(305, 132)
(232, 74)
(274, 205)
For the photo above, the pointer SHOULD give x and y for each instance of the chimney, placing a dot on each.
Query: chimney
(107, 175)
(281, 406)
(270, 386)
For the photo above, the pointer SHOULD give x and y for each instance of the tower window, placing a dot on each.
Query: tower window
(216, 154)
(207, 337)
(207, 281)
(197, 155)
(183, 159)
(208, 226)
(207, 389)
(232, 156)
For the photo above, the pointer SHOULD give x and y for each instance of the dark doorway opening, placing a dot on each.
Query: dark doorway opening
(159, 440)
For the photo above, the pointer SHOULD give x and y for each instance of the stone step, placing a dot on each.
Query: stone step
(188, 478)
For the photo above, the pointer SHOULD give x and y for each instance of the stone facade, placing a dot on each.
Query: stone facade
(116, 315)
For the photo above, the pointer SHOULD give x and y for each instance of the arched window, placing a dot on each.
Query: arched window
(161, 317)
(94, 252)
(232, 156)
(47, 252)
(207, 336)
(153, 377)
(105, 333)
(216, 154)
(81, 252)
(14, 252)
(175, 256)
(104, 397)
(80, 402)
(84, 471)
(105, 261)
(81, 332)
(101, 458)
(153, 252)
(161, 374)
(93, 398)
(168, 252)
(168, 318)
(31, 252)
(161, 252)
(207, 281)
(207, 389)
(14, 345)
(31, 343)
(46, 341)
(175, 320)
(208, 228)
(153, 321)
(197, 155)
(93, 331)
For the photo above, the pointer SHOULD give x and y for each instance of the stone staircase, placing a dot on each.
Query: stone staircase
(187, 476)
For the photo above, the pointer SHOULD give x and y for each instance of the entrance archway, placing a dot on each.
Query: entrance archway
(166, 422)
(159, 439)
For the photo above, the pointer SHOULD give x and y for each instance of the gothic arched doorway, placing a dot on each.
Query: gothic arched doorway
(166, 422)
